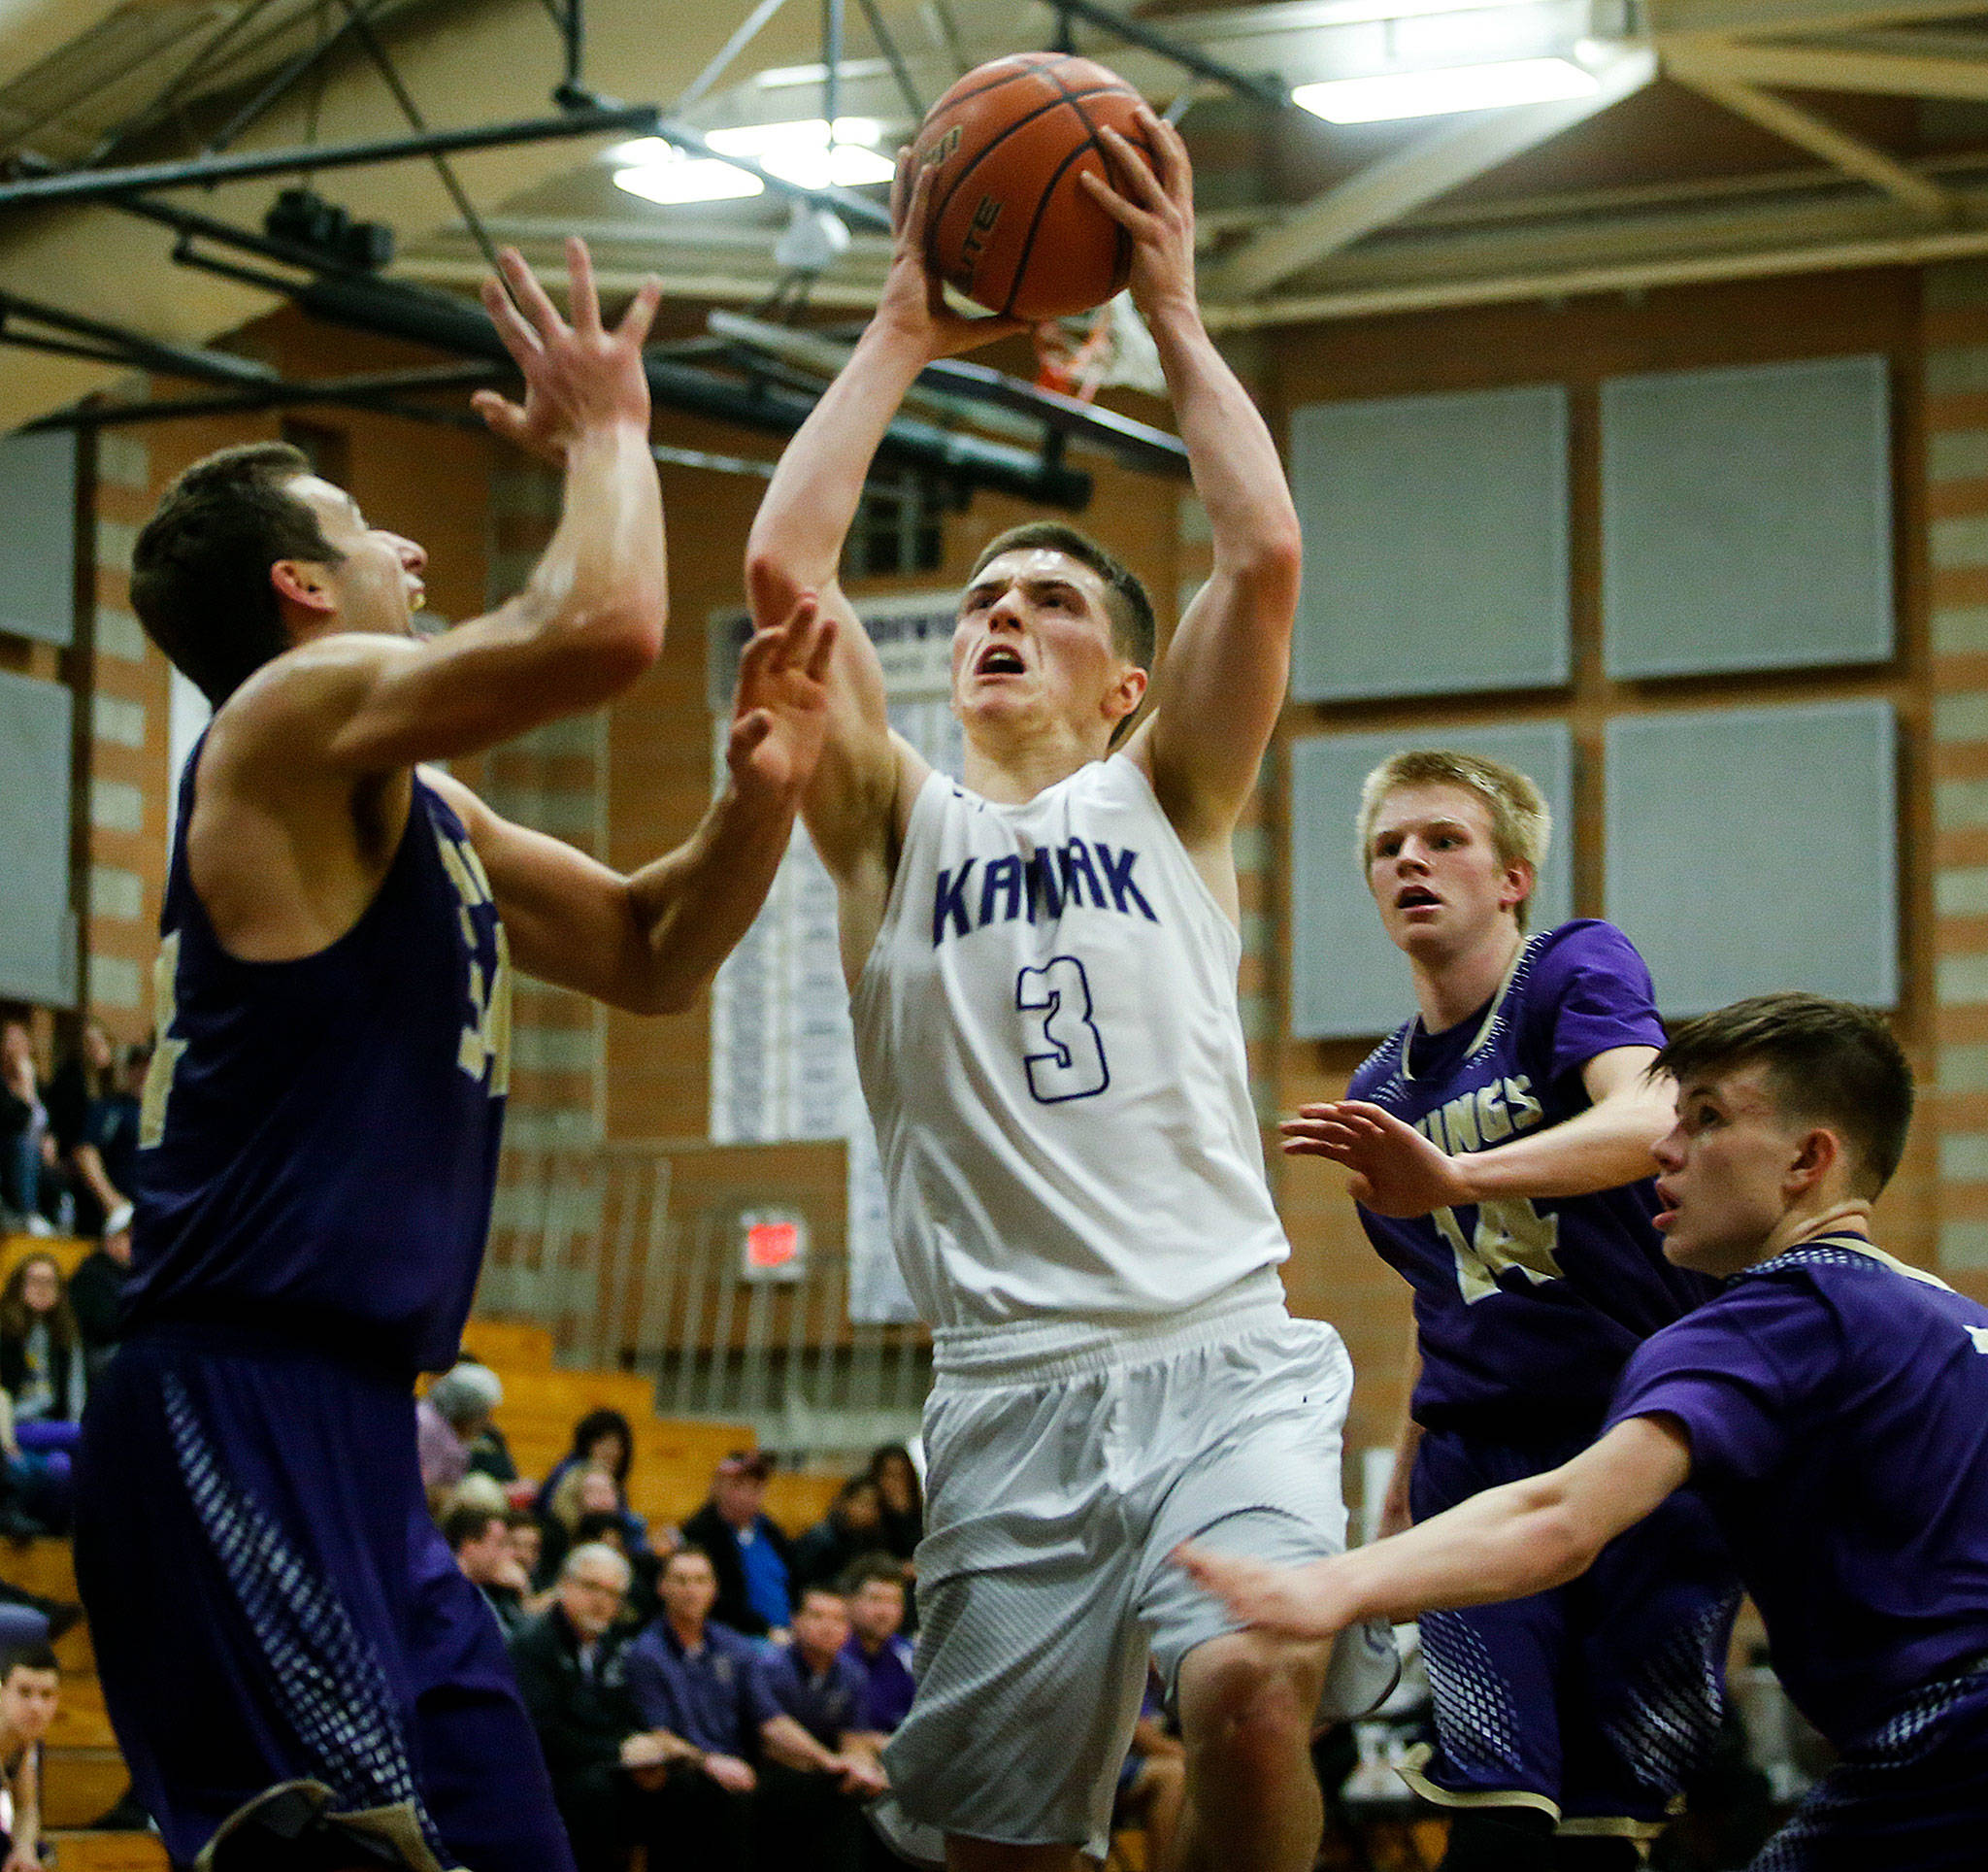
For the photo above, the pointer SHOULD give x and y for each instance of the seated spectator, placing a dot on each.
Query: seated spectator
(96, 1291)
(607, 1525)
(570, 1673)
(480, 1538)
(30, 1693)
(528, 1543)
(747, 1549)
(93, 1111)
(583, 1493)
(876, 1594)
(600, 1440)
(896, 1477)
(1152, 1783)
(819, 1769)
(851, 1528)
(698, 1682)
(27, 1144)
(42, 1372)
(457, 1406)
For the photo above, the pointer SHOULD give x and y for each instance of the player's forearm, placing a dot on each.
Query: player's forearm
(796, 543)
(1601, 1148)
(602, 585)
(1502, 1544)
(691, 908)
(1253, 524)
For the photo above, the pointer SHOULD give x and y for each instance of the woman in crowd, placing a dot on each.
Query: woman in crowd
(27, 1144)
(94, 1108)
(904, 1499)
(852, 1527)
(42, 1372)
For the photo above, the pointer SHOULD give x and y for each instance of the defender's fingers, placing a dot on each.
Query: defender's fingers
(533, 301)
(501, 416)
(634, 328)
(518, 337)
(747, 732)
(822, 649)
(581, 294)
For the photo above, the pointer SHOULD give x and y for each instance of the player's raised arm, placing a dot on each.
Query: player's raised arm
(1503, 1544)
(651, 942)
(796, 543)
(590, 617)
(1221, 684)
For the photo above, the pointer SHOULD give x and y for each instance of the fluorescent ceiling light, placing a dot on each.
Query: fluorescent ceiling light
(797, 152)
(670, 176)
(1460, 88)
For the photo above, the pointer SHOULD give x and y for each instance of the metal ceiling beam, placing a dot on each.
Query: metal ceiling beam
(1808, 68)
(1807, 131)
(1667, 20)
(1270, 91)
(1386, 190)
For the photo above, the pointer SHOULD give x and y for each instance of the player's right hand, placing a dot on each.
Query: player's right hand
(1396, 1170)
(577, 377)
(913, 310)
(1289, 1600)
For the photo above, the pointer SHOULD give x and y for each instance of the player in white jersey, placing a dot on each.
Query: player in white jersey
(1043, 970)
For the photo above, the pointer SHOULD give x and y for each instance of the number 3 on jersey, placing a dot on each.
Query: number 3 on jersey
(1062, 1050)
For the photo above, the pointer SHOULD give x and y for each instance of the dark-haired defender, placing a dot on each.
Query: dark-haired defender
(1500, 1142)
(1830, 1406)
(270, 1605)
(1043, 970)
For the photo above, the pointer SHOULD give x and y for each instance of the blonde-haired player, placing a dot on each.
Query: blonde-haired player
(1042, 968)
(1500, 1142)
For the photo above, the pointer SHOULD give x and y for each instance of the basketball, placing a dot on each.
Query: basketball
(1010, 227)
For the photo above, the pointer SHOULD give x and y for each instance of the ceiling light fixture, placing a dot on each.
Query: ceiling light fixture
(1437, 94)
(798, 153)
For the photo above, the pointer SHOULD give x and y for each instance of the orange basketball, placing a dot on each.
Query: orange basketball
(1009, 225)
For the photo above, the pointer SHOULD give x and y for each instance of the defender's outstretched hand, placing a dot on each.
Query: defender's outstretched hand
(1154, 203)
(913, 308)
(577, 375)
(1396, 1170)
(779, 717)
(1294, 1601)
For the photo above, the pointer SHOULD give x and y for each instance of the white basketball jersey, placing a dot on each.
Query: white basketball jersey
(1049, 1039)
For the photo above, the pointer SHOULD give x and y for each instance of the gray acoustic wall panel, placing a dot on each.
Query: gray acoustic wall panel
(1435, 544)
(37, 933)
(37, 536)
(1347, 979)
(1751, 850)
(1747, 517)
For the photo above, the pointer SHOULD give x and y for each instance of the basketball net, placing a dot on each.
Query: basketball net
(1098, 350)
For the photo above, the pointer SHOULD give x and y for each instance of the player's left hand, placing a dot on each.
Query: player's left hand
(1396, 1170)
(1292, 1602)
(1153, 201)
(779, 717)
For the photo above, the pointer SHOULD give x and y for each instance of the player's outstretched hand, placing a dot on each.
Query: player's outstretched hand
(913, 310)
(578, 376)
(1396, 1170)
(1153, 201)
(1293, 1601)
(780, 715)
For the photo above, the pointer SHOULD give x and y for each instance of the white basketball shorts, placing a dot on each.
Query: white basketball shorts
(1060, 1482)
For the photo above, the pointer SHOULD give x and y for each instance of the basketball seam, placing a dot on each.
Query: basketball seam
(937, 212)
(1028, 246)
(1121, 269)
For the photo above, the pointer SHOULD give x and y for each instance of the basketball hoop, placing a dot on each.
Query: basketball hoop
(1080, 356)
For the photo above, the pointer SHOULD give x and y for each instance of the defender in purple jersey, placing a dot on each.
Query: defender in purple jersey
(298, 1672)
(1500, 1145)
(1830, 1406)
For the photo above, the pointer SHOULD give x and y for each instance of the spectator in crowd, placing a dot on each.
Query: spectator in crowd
(748, 1550)
(877, 1645)
(852, 1527)
(528, 1543)
(446, 1421)
(609, 1526)
(42, 1372)
(1152, 1785)
(27, 1144)
(93, 1110)
(480, 1538)
(571, 1675)
(30, 1693)
(820, 1768)
(698, 1682)
(96, 1291)
(904, 1499)
(600, 1440)
(584, 1494)
(490, 1456)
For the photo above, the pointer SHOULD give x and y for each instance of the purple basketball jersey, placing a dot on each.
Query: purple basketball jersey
(1838, 1408)
(1526, 1310)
